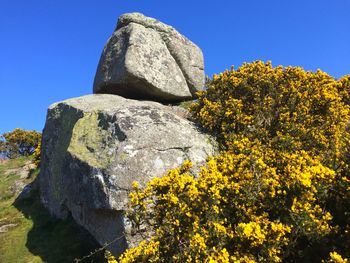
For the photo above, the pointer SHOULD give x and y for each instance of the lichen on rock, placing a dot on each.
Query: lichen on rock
(92, 143)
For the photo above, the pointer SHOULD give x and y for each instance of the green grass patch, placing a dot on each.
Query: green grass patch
(32, 235)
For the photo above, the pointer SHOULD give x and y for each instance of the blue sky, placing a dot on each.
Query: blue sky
(49, 49)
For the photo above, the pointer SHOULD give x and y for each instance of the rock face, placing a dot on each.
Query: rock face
(146, 59)
(95, 146)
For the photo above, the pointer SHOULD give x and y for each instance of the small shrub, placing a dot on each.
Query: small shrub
(19, 142)
(36, 155)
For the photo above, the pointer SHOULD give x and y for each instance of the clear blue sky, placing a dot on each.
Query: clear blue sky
(49, 49)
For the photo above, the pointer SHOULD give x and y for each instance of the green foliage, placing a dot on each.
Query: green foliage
(19, 142)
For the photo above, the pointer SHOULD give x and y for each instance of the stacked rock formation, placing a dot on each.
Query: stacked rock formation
(95, 146)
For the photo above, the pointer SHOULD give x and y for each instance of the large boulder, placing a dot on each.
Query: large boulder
(95, 146)
(146, 59)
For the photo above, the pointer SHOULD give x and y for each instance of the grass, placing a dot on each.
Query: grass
(33, 235)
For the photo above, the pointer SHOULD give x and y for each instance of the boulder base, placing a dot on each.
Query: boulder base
(95, 146)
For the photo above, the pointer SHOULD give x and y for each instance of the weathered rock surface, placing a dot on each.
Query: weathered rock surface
(95, 146)
(24, 171)
(146, 59)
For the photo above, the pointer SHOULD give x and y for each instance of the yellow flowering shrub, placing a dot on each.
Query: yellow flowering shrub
(289, 108)
(109, 257)
(280, 189)
(18, 143)
(334, 257)
(36, 155)
(344, 89)
(239, 204)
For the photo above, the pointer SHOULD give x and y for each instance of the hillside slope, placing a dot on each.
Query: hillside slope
(27, 232)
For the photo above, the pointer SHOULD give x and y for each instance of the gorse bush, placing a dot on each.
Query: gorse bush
(280, 189)
(286, 108)
(36, 155)
(19, 142)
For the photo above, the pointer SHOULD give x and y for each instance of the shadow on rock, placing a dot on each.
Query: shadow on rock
(51, 239)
